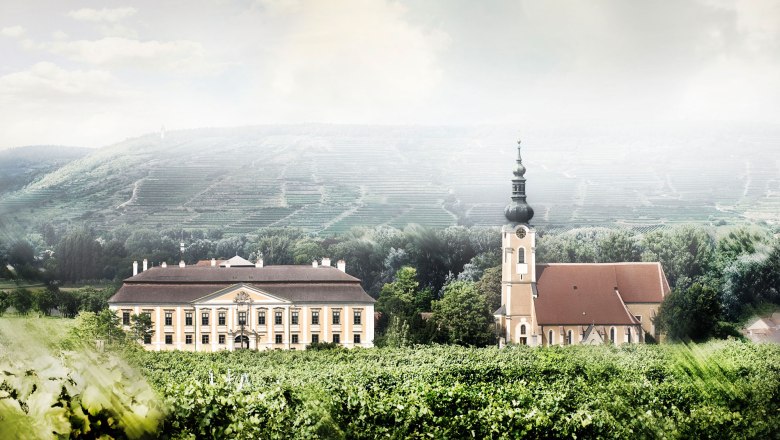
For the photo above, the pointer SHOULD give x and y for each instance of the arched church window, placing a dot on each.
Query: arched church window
(521, 256)
(569, 337)
(612, 335)
(550, 340)
(522, 329)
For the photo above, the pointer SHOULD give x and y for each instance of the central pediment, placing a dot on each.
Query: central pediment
(242, 292)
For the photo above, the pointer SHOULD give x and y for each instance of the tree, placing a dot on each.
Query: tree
(427, 251)
(141, 326)
(307, 250)
(397, 334)
(276, 245)
(489, 286)
(751, 280)
(575, 246)
(68, 303)
(686, 253)
(363, 259)
(22, 301)
(618, 246)
(21, 253)
(79, 256)
(462, 315)
(109, 326)
(739, 242)
(5, 301)
(45, 300)
(403, 297)
(93, 300)
(690, 314)
(90, 327)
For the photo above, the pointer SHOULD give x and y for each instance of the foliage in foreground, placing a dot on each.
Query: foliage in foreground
(46, 393)
(716, 390)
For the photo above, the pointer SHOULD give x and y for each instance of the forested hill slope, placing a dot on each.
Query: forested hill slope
(23, 165)
(329, 178)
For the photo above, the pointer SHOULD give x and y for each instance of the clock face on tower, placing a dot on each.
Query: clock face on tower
(520, 233)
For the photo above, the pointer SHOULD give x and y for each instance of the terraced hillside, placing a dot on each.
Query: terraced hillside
(329, 178)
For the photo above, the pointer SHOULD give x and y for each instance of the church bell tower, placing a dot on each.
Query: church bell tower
(515, 318)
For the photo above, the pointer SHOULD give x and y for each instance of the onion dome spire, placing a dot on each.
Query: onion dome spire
(518, 211)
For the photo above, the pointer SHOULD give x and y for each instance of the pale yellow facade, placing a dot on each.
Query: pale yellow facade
(213, 323)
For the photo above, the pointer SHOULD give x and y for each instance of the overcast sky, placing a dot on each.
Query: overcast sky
(94, 73)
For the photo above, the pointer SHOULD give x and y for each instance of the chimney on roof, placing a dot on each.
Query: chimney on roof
(259, 262)
(181, 263)
(146, 265)
(213, 262)
(326, 261)
(314, 263)
(135, 268)
(164, 265)
(342, 265)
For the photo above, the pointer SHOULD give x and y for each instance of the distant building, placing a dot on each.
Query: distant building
(233, 304)
(564, 304)
(764, 329)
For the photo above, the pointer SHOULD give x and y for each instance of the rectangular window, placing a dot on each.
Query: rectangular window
(336, 317)
(294, 318)
(241, 318)
(188, 339)
(204, 318)
(168, 318)
(125, 318)
(169, 339)
(188, 318)
(315, 338)
(278, 339)
(356, 338)
(204, 338)
(315, 317)
(147, 339)
(221, 318)
(294, 339)
(261, 317)
(357, 317)
(336, 338)
(221, 339)
(278, 317)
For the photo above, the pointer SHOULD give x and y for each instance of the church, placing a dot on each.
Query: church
(570, 303)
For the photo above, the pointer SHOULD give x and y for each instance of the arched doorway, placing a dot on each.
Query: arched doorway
(237, 342)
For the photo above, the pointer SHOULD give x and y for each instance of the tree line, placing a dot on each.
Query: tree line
(425, 278)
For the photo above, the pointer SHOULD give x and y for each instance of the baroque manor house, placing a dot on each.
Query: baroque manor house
(563, 304)
(226, 305)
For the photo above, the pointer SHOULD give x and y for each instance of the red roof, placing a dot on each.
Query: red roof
(584, 294)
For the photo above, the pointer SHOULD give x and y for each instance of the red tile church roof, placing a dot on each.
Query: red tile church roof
(584, 294)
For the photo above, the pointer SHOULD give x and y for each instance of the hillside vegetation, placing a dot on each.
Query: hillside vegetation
(330, 178)
(23, 165)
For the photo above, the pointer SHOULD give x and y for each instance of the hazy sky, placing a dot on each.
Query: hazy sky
(91, 73)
